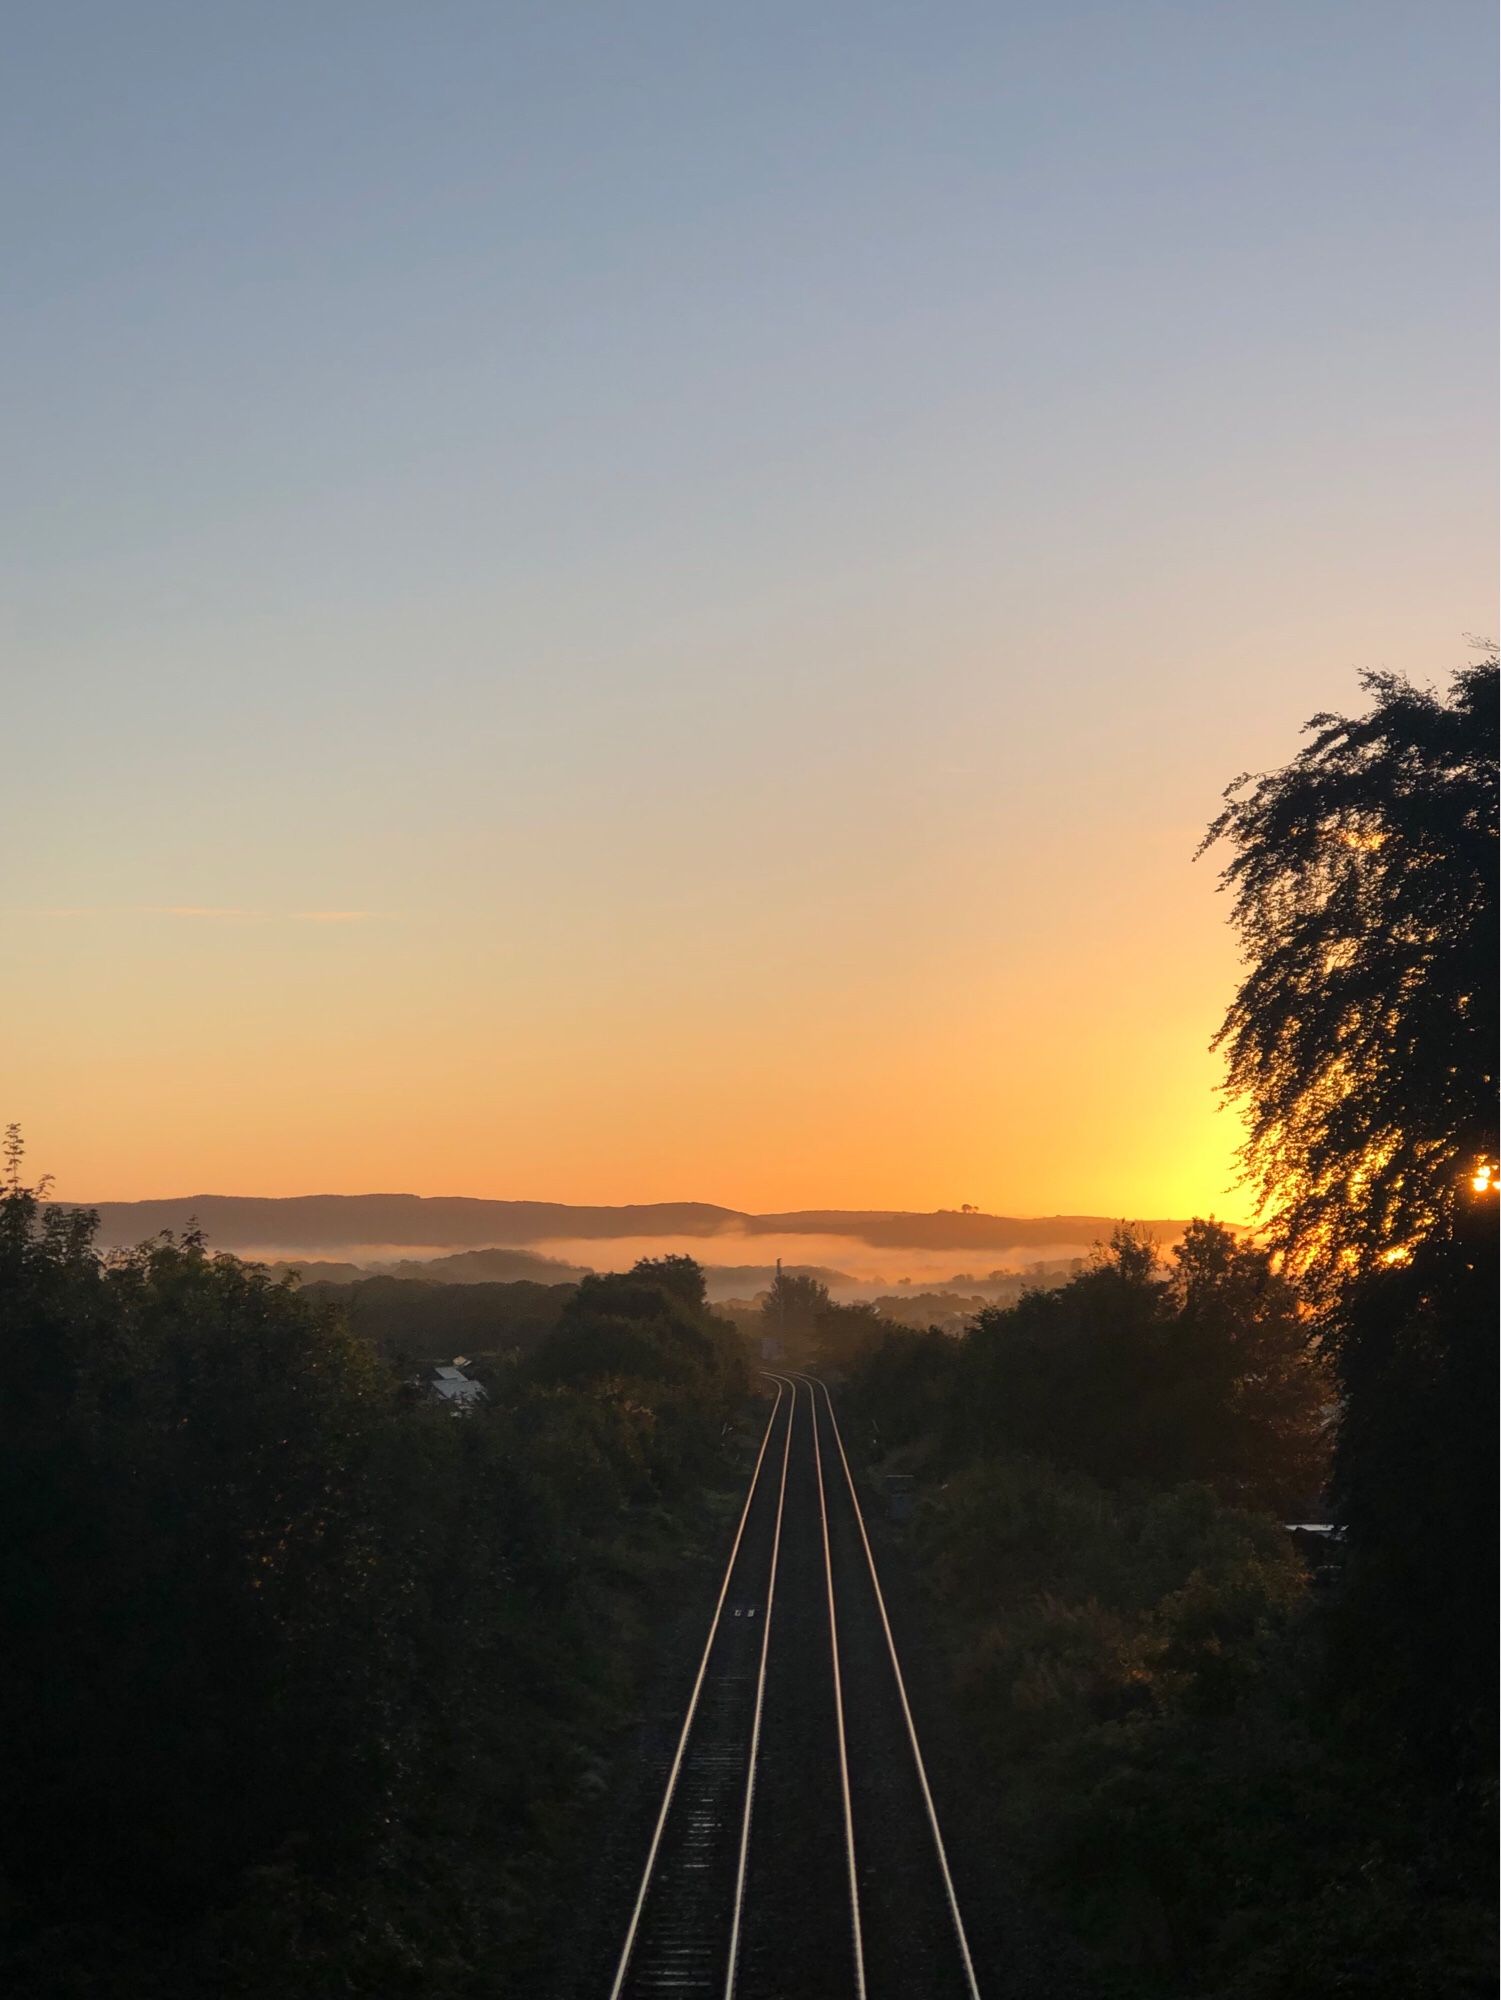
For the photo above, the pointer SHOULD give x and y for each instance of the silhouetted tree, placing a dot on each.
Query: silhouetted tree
(1244, 1393)
(904, 1385)
(1194, 1369)
(186, 1561)
(1415, 1492)
(682, 1276)
(790, 1311)
(1362, 1043)
(299, 1673)
(646, 1336)
(841, 1333)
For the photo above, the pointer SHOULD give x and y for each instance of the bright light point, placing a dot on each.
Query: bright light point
(1484, 1180)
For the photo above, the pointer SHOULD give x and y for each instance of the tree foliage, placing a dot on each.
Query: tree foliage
(1194, 1369)
(1133, 1666)
(302, 1675)
(1362, 1040)
(790, 1310)
(409, 1321)
(1415, 1467)
(811, 1327)
(1142, 1657)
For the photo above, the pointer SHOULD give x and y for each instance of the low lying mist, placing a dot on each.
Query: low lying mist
(852, 1270)
(736, 1263)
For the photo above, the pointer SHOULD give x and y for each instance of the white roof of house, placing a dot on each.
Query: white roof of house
(454, 1386)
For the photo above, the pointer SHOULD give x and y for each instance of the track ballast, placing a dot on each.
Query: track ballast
(797, 1853)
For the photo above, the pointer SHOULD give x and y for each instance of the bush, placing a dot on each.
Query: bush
(303, 1678)
(1137, 1668)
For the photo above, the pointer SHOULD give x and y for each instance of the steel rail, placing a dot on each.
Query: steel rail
(732, 1961)
(844, 1762)
(901, 1688)
(703, 1666)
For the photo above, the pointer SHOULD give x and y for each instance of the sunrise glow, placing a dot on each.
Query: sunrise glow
(608, 683)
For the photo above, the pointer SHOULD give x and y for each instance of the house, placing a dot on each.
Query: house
(449, 1384)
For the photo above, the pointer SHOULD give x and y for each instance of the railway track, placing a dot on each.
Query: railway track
(797, 1853)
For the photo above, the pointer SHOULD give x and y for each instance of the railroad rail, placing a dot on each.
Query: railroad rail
(797, 1853)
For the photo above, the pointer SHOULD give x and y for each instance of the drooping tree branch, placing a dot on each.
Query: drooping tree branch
(1362, 1040)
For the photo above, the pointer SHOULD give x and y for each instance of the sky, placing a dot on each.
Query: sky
(625, 603)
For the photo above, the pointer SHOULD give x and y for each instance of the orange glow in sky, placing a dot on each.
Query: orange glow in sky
(656, 611)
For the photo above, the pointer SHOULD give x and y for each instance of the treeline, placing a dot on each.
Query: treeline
(1197, 1371)
(1234, 1771)
(1148, 1659)
(409, 1321)
(305, 1681)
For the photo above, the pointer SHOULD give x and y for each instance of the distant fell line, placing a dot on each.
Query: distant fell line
(458, 1222)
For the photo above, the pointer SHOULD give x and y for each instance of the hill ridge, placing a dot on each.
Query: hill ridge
(459, 1222)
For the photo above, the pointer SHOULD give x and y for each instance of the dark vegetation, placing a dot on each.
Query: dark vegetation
(305, 1682)
(1232, 1771)
(1364, 1041)
(485, 1267)
(951, 1310)
(410, 1322)
(1198, 1372)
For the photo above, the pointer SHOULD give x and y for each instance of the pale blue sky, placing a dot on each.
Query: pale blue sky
(672, 506)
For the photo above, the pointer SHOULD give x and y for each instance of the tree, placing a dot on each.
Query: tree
(903, 1385)
(1194, 1371)
(683, 1277)
(1414, 1490)
(645, 1337)
(187, 1575)
(790, 1311)
(1245, 1393)
(1362, 1041)
(842, 1333)
(300, 1678)
(646, 1324)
